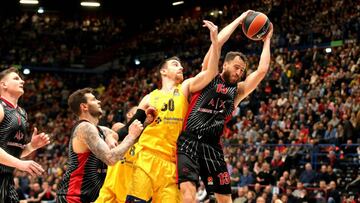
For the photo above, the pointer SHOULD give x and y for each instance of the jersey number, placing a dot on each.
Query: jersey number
(224, 178)
(170, 105)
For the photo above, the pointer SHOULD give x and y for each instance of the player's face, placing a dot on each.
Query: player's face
(174, 70)
(13, 83)
(233, 70)
(93, 105)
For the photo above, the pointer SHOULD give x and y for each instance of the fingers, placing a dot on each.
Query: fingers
(38, 170)
(35, 131)
(249, 11)
(210, 25)
(137, 123)
(269, 34)
(45, 138)
(151, 111)
(149, 118)
(35, 169)
(135, 128)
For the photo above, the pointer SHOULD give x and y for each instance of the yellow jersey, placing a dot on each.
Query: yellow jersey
(118, 179)
(161, 135)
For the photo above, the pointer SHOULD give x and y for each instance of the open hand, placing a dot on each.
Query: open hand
(31, 167)
(39, 140)
(213, 30)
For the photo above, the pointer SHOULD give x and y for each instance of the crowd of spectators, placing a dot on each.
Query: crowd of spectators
(295, 138)
(55, 40)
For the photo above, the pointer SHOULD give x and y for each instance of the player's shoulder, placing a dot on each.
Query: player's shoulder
(84, 126)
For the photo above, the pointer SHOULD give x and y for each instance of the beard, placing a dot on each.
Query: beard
(227, 77)
(179, 78)
(95, 112)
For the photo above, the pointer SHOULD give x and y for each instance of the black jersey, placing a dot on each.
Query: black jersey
(84, 176)
(209, 109)
(13, 132)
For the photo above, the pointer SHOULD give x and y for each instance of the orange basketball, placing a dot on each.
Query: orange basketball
(256, 25)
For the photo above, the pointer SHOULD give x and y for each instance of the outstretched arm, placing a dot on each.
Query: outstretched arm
(90, 135)
(253, 80)
(203, 78)
(224, 35)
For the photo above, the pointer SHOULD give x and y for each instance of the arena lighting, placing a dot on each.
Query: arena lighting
(29, 1)
(40, 10)
(137, 62)
(328, 50)
(177, 3)
(90, 4)
(26, 71)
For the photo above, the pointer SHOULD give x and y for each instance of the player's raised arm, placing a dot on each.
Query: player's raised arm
(224, 35)
(253, 80)
(203, 78)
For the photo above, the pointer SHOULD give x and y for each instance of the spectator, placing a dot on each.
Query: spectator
(241, 196)
(308, 176)
(235, 177)
(265, 177)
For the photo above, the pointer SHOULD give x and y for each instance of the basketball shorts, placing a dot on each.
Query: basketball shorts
(153, 178)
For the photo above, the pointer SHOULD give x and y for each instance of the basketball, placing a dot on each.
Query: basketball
(256, 25)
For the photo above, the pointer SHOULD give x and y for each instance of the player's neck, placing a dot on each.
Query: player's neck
(11, 99)
(168, 85)
(89, 118)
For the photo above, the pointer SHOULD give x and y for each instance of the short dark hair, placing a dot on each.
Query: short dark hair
(8, 71)
(163, 62)
(77, 98)
(232, 54)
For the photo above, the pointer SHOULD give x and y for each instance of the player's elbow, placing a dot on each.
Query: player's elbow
(262, 71)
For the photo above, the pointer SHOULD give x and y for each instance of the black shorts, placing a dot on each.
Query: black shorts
(204, 161)
(8, 193)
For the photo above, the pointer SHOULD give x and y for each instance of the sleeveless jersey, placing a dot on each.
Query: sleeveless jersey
(13, 132)
(209, 109)
(84, 176)
(161, 135)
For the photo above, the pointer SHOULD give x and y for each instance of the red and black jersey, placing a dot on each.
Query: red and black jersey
(13, 132)
(209, 109)
(84, 175)
(199, 152)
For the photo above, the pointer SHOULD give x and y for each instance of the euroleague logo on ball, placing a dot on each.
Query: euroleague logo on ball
(262, 32)
(256, 25)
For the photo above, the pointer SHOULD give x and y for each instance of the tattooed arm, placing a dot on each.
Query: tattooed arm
(90, 135)
(111, 137)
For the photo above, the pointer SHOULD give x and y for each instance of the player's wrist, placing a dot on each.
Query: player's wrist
(31, 147)
(132, 137)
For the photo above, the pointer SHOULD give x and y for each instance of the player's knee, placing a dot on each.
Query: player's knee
(223, 198)
(188, 192)
(132, 199)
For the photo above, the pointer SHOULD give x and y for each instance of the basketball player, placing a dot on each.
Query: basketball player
(89, 155)
(154, 168)
(15, 142)
(198, 147)
(118, 177)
